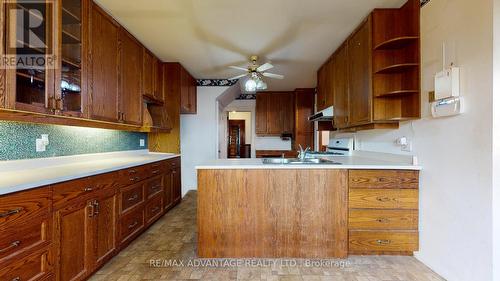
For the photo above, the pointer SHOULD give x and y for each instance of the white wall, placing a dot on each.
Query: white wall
(455, 152)
(496, 140)
(199, 135)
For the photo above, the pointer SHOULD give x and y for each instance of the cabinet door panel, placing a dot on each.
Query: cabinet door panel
(261, 113)
(321, 89)
(168, 194)
(274, 114)
(176, 185)
(158, 80)
(360, 75)
(73, 236)
(105, 222)
(105, 69)
(148, 73)
(340, 88)
(287, 112)
(131, 79)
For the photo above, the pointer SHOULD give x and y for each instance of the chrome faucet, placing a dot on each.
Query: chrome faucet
(302, 153)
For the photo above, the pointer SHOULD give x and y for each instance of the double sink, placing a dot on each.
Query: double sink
(298, 161)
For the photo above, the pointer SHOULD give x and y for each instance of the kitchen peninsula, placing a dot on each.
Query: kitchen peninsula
(358, 206)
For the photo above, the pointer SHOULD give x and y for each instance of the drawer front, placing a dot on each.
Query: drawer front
(383, 219)
(31, 268)
(154, 186)
(383, 241)
(17, 208)
(383, 179)
(72, 190)
(157, 168)
(134, 175)
(105, 181)
(383, 199)
(131, 196)
(15, 241)
(174, 163)
(154, 208)
(131, 223)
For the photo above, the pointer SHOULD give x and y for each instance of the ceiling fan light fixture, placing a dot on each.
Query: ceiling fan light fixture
(250, 85)
(261, 85)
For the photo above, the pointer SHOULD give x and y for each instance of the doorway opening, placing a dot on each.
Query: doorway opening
(239, 134)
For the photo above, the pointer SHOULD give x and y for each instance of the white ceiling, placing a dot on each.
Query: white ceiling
(206, 36)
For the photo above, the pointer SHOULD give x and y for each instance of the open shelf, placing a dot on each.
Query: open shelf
(396, 68)
(397, 93)
(68, 38)
(69, 17)
(396, 43)
(27, 76)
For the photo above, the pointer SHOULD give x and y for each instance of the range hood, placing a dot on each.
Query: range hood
(324, 115)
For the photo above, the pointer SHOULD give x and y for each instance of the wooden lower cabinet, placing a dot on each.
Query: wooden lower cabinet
(67, 231)
(383, 212)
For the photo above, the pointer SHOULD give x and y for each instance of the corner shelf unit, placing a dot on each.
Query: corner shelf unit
(396, 62)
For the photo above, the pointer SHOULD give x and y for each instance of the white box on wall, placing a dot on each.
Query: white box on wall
(447, 83)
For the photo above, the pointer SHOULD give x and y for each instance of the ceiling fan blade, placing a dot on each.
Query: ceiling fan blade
(238, 68)
(274, 76)
(237, 77)
(265, 67)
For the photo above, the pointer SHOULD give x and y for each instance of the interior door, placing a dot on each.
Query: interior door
(104, 223)
(105, 65)
(360, 75)
(131, 78)
(73, 239)
(236, 138)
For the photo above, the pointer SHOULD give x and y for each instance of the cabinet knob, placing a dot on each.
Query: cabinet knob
(12, 245)
(16, 279)
(383, 242)
(88, 189)
(133, 198)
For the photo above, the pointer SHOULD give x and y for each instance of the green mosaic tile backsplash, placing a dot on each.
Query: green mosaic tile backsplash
(17, 140)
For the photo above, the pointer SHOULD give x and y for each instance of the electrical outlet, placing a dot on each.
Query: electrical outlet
(142, 142)
(40, 145)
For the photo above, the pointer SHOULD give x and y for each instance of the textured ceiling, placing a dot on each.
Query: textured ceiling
(206, 36)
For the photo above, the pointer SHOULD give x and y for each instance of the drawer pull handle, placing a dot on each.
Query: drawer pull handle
(132, 225)
(96, 204)
(383, 242)
(155, 165)
(12, 245)
(155, 209)
(156, 187)
(155, 172)
(132, 172)
(383, 199)
(10, 212)
(17, 279)
(133, 198)
(383, 220)
(88, 189)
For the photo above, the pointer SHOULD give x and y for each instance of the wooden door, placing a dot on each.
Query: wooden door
(261, 105)
(104, 226)
(329, 83)
(148, 73)
(341, 88)
(131, 78)
(321, 88)
(104, 65)
(275, 114)
(158, 92)
(168, 192)
(73, 241)
(287, 112)
(236, 138)
(176, 184)
(360, 92)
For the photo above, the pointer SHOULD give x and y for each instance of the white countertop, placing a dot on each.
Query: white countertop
(20, 175)
(359, 160)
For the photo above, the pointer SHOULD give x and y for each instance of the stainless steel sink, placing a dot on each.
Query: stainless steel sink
(297, 161)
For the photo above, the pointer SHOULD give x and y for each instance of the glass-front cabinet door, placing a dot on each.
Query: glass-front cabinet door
(70, 81)
(30, 55)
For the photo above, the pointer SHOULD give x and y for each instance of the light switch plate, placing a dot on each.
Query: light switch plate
(40, 145)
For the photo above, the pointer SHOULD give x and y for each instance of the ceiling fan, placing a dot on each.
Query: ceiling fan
(255, 74)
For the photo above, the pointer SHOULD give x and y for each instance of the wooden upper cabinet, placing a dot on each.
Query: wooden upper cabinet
(341, 88)
(274, 113)
(321, 88)
(329, 85)
(158, 80)
(261, 108)
(148, 73)
(303, 128)
(360, 93)
(188, 93)
(131, 79)
(104, 81)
